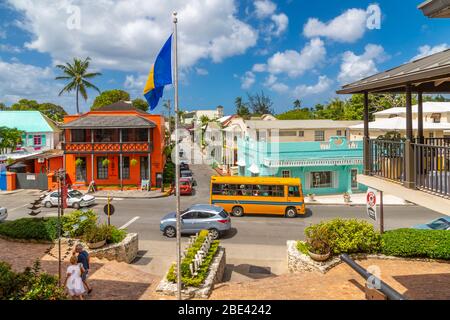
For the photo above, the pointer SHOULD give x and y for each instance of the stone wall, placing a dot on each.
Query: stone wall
(299, 262)
(125, 251)
(215, 275)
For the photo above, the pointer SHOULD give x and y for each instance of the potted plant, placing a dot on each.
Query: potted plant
(105, 162)
(318, 250)
(311, 197)
(95, 237)
(133, 162)
(79, 162)
(347, 197)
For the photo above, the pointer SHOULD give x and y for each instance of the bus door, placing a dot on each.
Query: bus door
(294, 194)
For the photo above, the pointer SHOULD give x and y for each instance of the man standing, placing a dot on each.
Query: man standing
(84, 259)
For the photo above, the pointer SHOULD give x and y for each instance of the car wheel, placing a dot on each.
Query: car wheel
(48, 204)
(76, 205)
(214, 234)
(237, 211)
(291, 212)
(170, 232)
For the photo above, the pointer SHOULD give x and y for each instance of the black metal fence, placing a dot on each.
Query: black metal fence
(431, 163)
(387, 159)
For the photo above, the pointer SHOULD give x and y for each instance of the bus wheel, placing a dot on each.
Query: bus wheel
(237, 211)
(291, 212)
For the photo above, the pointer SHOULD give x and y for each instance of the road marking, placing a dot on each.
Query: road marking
(112, 199)
(13, 209)
(129, 222)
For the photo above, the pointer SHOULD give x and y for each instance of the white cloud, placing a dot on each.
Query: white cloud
(427, 50)
(264, 8)
(127, 35)
(281, 22)
(356, 67)
(247, 80)
(201, 71)
(323, 85)
(259, 67)
(135, 83)
(9, 48)
(296, 63)
(348, 27)
(273, 84)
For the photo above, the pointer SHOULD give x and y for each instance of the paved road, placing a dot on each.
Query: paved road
(255, 240)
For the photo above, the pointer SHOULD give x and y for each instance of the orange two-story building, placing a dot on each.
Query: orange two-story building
(115, 146)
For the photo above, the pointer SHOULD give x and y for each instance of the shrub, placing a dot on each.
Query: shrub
(186, 277)
(31, 229)
(346, 236)
(77, 222)
(104, 232)
(116, 235)
(434, 244)
(94, 234)
(31, 284)
(302, 247)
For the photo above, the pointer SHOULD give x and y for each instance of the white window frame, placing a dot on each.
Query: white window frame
(333, 183)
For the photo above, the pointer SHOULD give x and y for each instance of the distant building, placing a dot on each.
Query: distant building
(194, 117)
(327, 167)
(436, 121)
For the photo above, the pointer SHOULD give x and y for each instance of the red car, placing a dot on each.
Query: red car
(185, 186)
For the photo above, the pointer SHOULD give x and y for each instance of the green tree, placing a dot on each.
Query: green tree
(9, 138)
(297, 104)
(3, 107)
(296, 114)
(140, 104)
(109, 97)
(76, 74)
(53, 111)
(260, 104)
(241, 108)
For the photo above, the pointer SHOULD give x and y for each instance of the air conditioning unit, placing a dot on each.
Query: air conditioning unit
(40, 160)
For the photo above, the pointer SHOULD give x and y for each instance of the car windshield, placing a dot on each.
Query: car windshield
(439, 224)
(223, 214)
(184, 183)
(75, 194)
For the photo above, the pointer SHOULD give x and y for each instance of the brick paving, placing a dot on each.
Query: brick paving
(119, 281)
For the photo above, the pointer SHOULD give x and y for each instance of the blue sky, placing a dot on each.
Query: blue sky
(291, 49)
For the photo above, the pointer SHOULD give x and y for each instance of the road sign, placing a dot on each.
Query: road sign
(111, 209)
(371, 204)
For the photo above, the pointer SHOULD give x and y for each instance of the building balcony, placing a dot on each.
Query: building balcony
(416, 172)
(109, 147)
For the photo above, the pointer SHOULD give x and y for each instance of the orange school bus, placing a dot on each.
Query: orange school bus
(258, 195)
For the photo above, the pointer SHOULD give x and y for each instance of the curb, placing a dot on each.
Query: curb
(355, 205)
(165, 195)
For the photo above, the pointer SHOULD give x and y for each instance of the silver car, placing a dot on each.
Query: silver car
(3, 214)
(196, 218)
(75, 199)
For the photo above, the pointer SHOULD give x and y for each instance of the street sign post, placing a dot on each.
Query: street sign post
(371, 204)
(109, 210)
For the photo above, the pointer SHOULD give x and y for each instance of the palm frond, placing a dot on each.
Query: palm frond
(90, 86)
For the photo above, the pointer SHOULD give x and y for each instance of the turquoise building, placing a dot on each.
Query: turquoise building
(324, 167)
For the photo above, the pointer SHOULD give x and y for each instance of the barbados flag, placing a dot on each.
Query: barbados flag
(160, 75)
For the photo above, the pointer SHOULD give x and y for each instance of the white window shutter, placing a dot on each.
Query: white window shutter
(308, 180)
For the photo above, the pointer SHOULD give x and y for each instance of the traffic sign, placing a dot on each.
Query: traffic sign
(111, 209)
(371, 205)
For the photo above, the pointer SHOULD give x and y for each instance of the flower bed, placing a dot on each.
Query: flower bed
(202, 266)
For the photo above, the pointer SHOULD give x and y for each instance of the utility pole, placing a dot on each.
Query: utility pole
(177, 156)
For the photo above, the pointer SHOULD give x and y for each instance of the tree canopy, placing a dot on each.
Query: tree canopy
(140, 104)
(9, 138)
(109, 97)
(51, 110)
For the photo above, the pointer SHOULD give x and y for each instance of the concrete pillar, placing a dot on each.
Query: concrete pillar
(409, 144)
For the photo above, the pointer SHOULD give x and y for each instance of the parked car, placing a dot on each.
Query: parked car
(184, 166)
(75, 199)
(196, 218)
(3, 214)
(187, 174)
(186, 187)
(438, 224)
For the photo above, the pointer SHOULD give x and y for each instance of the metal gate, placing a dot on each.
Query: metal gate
(31, 181)
(3, 185)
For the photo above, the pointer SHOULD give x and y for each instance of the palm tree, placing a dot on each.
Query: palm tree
(77, 74)
(297, 104)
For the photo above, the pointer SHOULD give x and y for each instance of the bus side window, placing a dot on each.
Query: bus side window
(294, 191)
(217, 189)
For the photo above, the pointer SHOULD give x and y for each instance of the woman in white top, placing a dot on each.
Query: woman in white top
(74, 283)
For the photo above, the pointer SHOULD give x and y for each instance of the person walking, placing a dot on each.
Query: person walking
(74, 282)
(84, 259)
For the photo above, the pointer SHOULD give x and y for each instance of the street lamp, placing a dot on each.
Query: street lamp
(61, 176)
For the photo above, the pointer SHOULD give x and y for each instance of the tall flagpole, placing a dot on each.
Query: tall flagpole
(177, 155)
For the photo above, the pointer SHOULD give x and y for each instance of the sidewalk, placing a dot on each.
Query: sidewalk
(132, 194)
(357, 199)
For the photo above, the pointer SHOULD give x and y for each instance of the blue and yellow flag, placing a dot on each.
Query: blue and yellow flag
(160, 75)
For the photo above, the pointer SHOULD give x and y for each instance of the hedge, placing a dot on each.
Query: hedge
(45, 229)
(414, 243)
